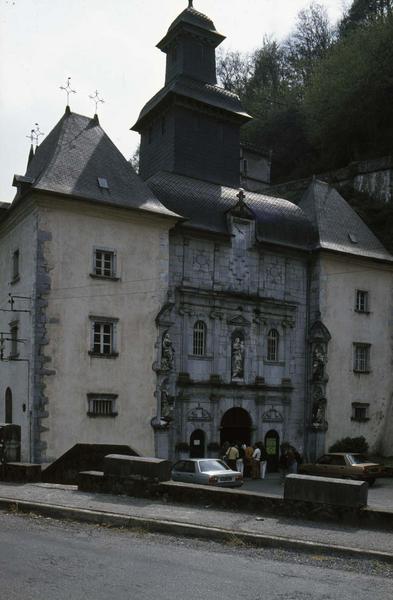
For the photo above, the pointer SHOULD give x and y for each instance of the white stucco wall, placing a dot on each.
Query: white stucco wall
(18, 232)
(141, 245)
(340, 278)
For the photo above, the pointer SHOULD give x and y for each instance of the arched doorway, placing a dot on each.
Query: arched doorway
(197, 444)
(236, 426)
(272, 446)
(8, 406)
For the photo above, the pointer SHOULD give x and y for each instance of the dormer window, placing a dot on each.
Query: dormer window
(103, 183)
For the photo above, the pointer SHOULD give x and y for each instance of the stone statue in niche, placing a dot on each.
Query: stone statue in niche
(167, 352)
(237, 358)
(319, 413)
(166, 406)
(318, 363)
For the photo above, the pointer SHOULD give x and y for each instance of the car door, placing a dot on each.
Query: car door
(177, 471)
(338, 467)
(322, 466)
(189, 471)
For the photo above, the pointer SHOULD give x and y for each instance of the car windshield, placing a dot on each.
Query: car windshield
(357, 459)
(213, 465)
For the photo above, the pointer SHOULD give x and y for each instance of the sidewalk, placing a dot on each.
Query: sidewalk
(156, 515)
(380, 495)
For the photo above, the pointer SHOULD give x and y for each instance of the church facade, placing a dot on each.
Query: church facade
(176, 310)
(250, 339)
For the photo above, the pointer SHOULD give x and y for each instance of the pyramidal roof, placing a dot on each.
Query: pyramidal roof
(338, 226)
(78, 159)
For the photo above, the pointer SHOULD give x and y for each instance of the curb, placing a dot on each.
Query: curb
(167, 527)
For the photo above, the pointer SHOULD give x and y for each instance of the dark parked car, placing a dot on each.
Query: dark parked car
(345, 466)
(206, 471)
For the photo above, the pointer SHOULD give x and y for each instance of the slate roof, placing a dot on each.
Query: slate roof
(191, 18)
(74, 155)
(338, 226)
(205, 206)
(197, 90)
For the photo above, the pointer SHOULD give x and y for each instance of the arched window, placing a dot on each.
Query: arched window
(8, 406)
(272, 345)
(199, 339)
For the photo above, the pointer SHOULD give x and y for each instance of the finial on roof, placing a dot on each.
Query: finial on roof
(97, 100)
(68, 90)
(190, 3)
(241, 195)
(34, 135)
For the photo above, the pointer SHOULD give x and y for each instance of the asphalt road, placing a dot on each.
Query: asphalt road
(52, 560)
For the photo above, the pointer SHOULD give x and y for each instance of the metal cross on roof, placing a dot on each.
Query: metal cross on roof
(241, 195)
(96, 99)
(35, 133)
(68, 90)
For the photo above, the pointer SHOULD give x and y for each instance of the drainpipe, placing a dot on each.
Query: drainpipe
(307, 361)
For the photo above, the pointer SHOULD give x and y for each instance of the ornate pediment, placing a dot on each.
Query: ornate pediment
(272, 416)
(199, 414)
(239, 321)
(319, 332)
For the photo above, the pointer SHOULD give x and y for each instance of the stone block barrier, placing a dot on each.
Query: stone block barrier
(327, 491)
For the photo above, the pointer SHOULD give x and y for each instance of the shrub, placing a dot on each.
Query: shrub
(348, 444)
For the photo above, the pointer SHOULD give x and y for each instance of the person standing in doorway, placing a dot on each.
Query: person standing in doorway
(256, 460)
(240, 460)
(248, 452)
(263, 461)
(231, 456)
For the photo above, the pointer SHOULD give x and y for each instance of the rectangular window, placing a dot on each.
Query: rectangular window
(15, 266)
(361, 301)
(14, 330)
(104, 263)
(103, 338)
(361, 362)
(360, 411)
(101, 405)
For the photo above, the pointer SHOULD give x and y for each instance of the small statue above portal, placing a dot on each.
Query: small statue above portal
(237, 357)
(318, 363)
(167, 352)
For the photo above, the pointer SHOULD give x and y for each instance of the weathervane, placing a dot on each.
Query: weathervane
(35, 134)
(68, 90)
(97, 100)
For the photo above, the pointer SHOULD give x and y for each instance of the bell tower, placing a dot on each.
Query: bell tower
(191, 126)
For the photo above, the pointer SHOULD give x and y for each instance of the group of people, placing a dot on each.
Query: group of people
(249, 460)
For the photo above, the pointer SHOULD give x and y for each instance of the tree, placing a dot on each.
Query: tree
(350, 98)
(363, 12)
(307, 45)
(234, 70)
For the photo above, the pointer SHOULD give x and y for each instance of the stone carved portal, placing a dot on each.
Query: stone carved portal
(237, 355)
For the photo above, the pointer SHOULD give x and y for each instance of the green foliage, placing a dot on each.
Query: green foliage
(349, 101)
(363, 12)
(320, 99)
(348, 444)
